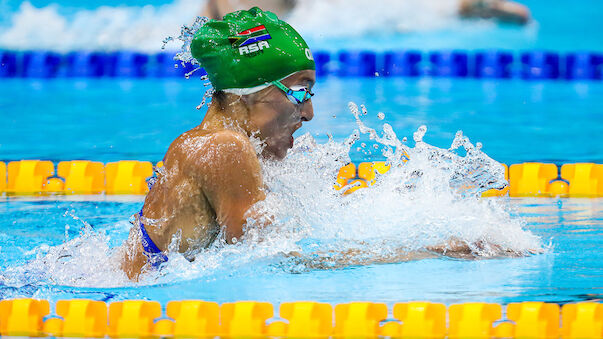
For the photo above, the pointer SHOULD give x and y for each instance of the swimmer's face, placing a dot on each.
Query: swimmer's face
(276, 118)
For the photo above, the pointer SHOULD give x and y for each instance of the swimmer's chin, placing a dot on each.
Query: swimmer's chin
(274, 155)
(277, 153)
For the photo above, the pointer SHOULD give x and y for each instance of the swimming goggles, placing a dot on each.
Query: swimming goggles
(295, 96)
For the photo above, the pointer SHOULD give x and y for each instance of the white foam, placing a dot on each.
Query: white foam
(347, 18)
(104, 28)
(86, 260)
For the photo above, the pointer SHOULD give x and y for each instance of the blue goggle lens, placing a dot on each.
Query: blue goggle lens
(301, 95)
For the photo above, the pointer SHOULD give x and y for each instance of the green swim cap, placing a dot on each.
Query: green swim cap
(247, 50)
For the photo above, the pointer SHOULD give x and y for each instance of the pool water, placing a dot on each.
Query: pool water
(108, 120)
(568, 272)
(56, 249)
(59, 248)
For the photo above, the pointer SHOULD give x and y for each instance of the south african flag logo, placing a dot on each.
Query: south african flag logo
(249, 36)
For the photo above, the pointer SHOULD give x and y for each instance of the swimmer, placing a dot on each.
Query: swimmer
(501, 10)
(215, 9)
(262, 72)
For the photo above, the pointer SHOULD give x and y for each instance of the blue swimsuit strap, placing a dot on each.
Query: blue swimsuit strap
(151, 251)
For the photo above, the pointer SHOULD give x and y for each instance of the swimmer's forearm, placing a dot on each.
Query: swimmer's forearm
(356, 257)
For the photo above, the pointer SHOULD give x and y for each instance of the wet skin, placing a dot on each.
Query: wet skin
(502, 10)
(212, 176)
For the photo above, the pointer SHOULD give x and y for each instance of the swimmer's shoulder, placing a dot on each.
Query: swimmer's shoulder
(210, 149)
(226, 147)
(231, 140)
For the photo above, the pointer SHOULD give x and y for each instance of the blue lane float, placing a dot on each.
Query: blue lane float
(322, 61)
(583, 65)
(84, 64)
(128, 64)
(490, 64)
(8, 64)
(402, 63)
(449, 64)
(540, 65)
(41, 64)
(493, 64)
(357, 64)
(166, 66)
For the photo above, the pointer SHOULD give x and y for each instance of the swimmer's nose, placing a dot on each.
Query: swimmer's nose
(307, 111)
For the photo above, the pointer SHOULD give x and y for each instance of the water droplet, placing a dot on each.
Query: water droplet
(187, 75)
(364, 110)
(187, 34)
(208, 94)
(420, 133)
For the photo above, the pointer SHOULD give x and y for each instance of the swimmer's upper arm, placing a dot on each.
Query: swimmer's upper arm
(231, 179)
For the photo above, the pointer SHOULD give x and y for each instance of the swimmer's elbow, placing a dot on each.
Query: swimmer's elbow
(233, 234)
(234, 227)
(131, 266)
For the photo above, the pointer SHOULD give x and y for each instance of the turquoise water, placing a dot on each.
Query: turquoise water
(105, 120)
(569, 272)
(57, 248)
(515, 120)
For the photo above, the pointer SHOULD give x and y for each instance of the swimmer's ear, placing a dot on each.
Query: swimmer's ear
(248, 99)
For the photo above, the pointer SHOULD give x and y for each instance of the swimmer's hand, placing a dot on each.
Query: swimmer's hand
(294, 254)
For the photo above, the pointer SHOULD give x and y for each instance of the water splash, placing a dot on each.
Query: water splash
(429, 199)
(86, 260)
(140, 28)
(184, 56)
(187, 34)
(206, 97)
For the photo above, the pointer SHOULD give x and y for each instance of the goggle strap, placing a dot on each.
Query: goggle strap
(281, 86)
